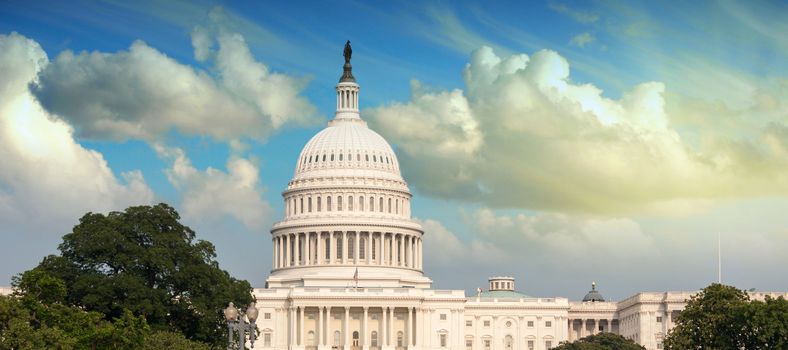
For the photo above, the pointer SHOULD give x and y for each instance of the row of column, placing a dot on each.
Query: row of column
(318, 248)
(324, 332)
(347, 98)
(304, 204)
(583, 327)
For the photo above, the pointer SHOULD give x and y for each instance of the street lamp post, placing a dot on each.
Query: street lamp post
(237, 324)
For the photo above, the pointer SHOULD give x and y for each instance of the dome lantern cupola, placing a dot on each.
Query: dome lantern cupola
(501, 283)
(347, 93)
(593, 295)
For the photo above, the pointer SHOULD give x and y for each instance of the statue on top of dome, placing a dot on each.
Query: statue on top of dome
(348, 52)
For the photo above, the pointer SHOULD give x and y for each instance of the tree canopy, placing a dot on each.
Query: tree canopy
(723, 317)
(601, 341)
(143, 261)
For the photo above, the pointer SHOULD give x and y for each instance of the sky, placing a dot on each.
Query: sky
(557, 142)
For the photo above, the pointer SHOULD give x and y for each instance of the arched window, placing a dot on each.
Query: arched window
(374, 245)
(367, 156)
(324, 157)
(374, 158)
(374, 339)
(340, 157)
(355, 338)
(337, 338)
(361, 203)
(380, 208)
(328, 246)
(362, 244)
(339, 247)
(400, 339)
(310, 338)
(358, 157)
(328, 203)
(332, 157)
(371, 203)
(350, 203)
(351, 246)
(302, 205)
(389, 205)
(508, 342)
(319, 204)
(339, 203)
(309, 200)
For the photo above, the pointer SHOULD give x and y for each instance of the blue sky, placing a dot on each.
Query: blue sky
(565, 141)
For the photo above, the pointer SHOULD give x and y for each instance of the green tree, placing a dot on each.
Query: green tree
(723, 317)
(601, 341)
(171, 341)
(145, 261)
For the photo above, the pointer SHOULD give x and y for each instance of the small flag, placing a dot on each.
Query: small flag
(355, 277)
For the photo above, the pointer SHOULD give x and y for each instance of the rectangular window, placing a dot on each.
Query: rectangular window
(267, 316)
(267, 340)
(659, 345)
(486, 323)
(530, 345)
(659, 319)
(443, 317)
(487, 344)
(468, 344)
(548, 323)
(548, 344)
(443, 340)
(468, 323)
(531, 324)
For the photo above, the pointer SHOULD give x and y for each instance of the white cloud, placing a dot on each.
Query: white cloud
(582, 39)
(144, 94)
(577, 15)
(523, 134)
(212, 194)
(47, 179)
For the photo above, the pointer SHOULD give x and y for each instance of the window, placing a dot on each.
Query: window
(508, 342)
(267, 339)
(339, 203)
(530, 345)
(362, 245)
(324, 157)
(350, 203)
(328, 203)
(400, 339)
(339, 247)
(487, 344)
(659, 345)
(302, 205)
(267, 316)
(548, 323)
(380, 208)
(374, 339)
(332, 157)
(548, 344)
(443, 340)
(371, 203)
(340, 157)
(468, 323)
(337, 338)
(468, 344)
(351, 247)
(530, 324)
(310, 338)
(443, 317)
(659, 319)
(486, 323)
(319, 204)
(389, 205)
(374, 248)
(361, 203)
(309, 200)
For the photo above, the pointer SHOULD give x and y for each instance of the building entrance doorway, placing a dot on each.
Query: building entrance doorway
(354, 344)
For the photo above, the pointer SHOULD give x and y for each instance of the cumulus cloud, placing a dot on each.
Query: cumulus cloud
(142, 93)
(522, 134)
(212, 194)
(47, 179)
(582, 39)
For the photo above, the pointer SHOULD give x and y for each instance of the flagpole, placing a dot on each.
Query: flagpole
(719, 260)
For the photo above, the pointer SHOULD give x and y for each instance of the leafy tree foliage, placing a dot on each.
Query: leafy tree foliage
(723, 317)
(601, 341)
(145, 261)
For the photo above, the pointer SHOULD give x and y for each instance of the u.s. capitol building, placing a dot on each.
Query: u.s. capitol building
(347, 267)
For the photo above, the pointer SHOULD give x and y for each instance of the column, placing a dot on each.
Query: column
(347, 327)
(292, 332)
(297, 253)
(409, 333)
(583, 328)
(273, 253)
(287, 249)
(365, 329)
(320, 327)
(380, 248)
(301, 328)
(570, 336)
(329, 335)
(344, 247)
(401, 251)
(391, 325)
(356, 248)
(332, 249)
(319, 246)
(369, 248)
(412, 241)
(596, 326)
(384, 330)
(420, 328)
(309, 248)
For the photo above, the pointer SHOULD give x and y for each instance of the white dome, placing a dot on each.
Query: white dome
(348, 149)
